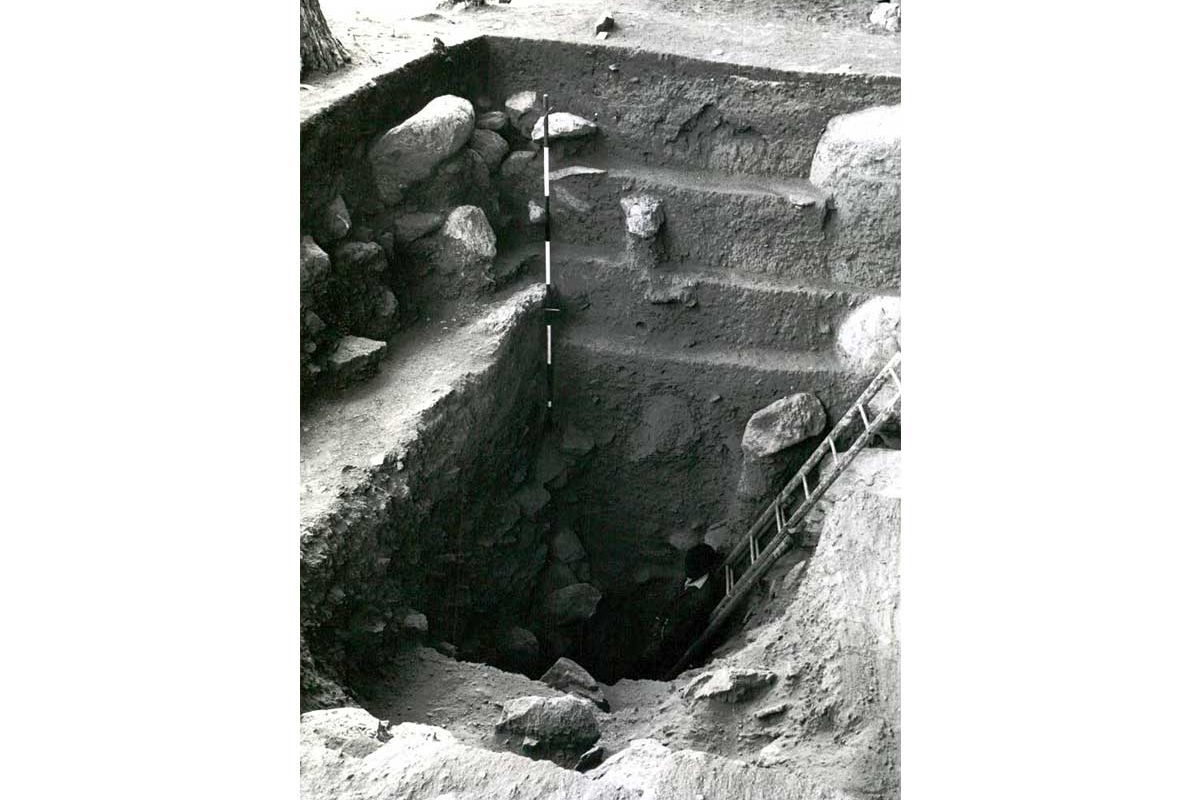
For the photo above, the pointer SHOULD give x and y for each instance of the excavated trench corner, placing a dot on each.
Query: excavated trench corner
(724, 237)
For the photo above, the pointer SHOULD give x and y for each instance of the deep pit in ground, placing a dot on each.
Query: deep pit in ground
(440, 503)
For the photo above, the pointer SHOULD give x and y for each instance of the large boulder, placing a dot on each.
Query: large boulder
(857, 160)
(567, 722)
(574, 603)
(409, 152)
(567, 676)
(870, 335)
(783, 424)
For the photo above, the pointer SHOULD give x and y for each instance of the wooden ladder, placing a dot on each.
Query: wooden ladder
(773, 532)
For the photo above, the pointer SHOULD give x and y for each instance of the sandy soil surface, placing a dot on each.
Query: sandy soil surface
(796, 35)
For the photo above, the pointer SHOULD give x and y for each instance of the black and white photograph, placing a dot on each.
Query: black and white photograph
(601, 377)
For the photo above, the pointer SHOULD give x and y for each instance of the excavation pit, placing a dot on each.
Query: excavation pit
(701, 273)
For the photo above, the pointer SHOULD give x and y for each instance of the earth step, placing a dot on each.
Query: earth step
(699, 307)
(750, 224)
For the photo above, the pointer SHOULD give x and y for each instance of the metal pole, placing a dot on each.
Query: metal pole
(549, 280)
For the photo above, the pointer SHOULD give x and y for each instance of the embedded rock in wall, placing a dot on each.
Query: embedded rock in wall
(522, 111)
(492, 121)
(520, 177)
(461, 180)
(567, 676)
(314, 271)
(409, 152)
(563, 126)
(461, 252)
(566, 547)
(729, 684)
(870, 335)
(857, 161)
(336, 220)
(518, 649)
(886, 16)
(574, 603)
(784, 423)
(491, 146)
(643, 215)
(410, 227)
(360, 302)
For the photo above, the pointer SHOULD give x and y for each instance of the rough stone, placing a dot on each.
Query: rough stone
(519, 177)
(354, 359)
(574, 603)
(784, 423)
(531, 499)
(360, 301)
(460, 253)
(411, 227)
(566, 547)
(857, 161)
(522, 111)
(870, 334)
(564, 125)
(567, 676)
(537, 212)
(490, 146)
(729, 684)
(604, 23)
(643, 215)
(409, 152)
(415, 624)
(567, 722)
(886, 16)
(518, 649)
(336, 219)
(492, 121)
(576, 442)
(314, 270)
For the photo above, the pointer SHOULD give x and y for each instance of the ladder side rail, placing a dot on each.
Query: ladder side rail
(814, 459)
(747, 581)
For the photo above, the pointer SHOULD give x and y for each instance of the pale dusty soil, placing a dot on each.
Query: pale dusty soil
(794, 35)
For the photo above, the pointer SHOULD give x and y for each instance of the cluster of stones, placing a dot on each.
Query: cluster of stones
(416, 225)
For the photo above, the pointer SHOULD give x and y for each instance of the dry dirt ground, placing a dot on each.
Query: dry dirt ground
(799, 35)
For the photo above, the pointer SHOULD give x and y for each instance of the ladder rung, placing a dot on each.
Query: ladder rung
(833, 450)
(895, 377)
(863, 414)
(728, 579)
(804, 480)
(778, 517)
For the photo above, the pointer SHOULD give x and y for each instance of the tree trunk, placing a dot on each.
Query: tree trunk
(320, 51)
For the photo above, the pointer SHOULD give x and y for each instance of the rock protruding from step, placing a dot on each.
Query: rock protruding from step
(354, 359)
(361, 302)
(886, 16)
(605, 23)
(567, 676)
(555, 722)
(729, 684)
(415, 625)
(870, 334)
(347, 731)
(643, 215)
(857, 161)
(490, 146)
(574, 603)
(492, 121)
(783, 424)
(522, 111)
(410, 151)
(564, 125)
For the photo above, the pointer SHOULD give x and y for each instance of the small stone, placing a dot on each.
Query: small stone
(716, 398)
(564, 126)
(589, 760)
(415, 624)
(519, 649)
(411, 227)
(566, 547)
(886, 16)
(728, 684)
(446, 649)
(537, 212)
(522, 111)
(336, 219)
(602, 35)
(643, 215)
(771, 711)
(604, 23)
(574, 603)
(490, 146)
(314, 267)
(567, 676)
(492, 121)
(568, 721)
